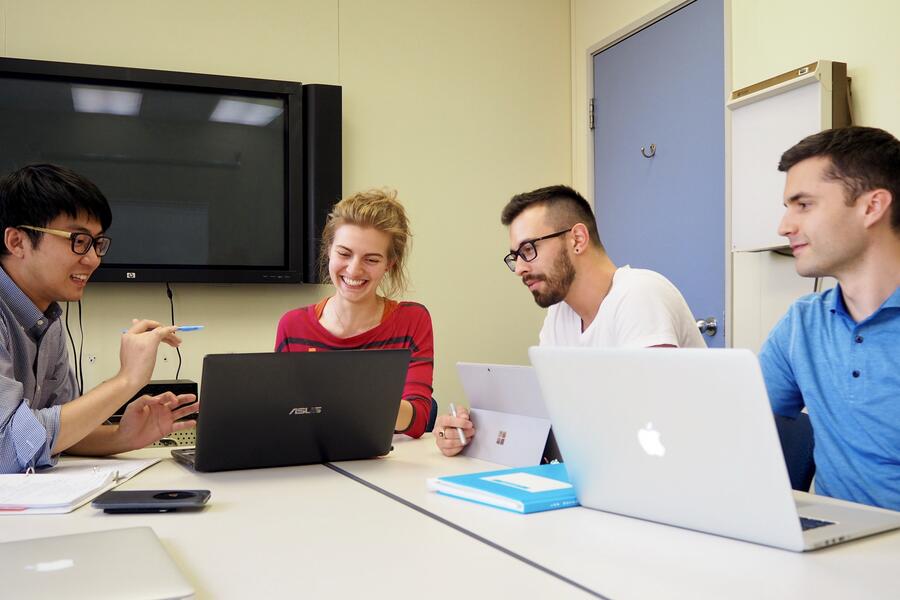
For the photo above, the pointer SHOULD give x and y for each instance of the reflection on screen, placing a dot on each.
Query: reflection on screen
(193, 178)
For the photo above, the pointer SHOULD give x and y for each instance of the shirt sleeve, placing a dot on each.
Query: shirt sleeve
(648, 316)
(26, 436)
(420, 375)
(774, 360)
(280, 334)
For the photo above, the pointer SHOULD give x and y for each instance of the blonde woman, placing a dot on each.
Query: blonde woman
(364, 249)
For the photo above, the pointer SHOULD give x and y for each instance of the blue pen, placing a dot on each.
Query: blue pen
(181, 328)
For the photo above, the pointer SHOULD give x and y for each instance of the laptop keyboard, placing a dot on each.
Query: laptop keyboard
(806, 523)
(185, 456)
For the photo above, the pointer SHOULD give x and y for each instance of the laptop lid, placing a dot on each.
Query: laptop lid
(684, 437)
(123, 564)
(505, 404)
(275, 409)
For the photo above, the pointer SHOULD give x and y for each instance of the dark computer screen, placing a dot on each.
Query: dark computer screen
(197, 177)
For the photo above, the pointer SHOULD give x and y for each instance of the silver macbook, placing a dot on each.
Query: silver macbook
(121, 564)
(686, 437)
(511, 422)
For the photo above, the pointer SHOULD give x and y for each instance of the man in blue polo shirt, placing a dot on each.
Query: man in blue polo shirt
(838, 353)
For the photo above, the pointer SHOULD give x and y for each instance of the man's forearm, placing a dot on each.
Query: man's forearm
(80, 418)
(102, 441)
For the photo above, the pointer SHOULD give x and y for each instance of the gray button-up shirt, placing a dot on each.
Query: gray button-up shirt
(35, 379)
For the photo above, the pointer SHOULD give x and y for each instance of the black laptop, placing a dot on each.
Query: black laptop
(276, 409)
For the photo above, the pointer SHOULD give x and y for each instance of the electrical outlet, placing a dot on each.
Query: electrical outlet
(91, 358)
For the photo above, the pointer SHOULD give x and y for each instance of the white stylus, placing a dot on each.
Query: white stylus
(462, 436)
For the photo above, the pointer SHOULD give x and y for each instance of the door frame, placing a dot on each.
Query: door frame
(628, 30)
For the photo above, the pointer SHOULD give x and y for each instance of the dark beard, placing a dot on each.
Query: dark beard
(558, 282)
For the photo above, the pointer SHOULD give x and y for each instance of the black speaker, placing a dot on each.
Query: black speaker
(176, 386)
(321, 166)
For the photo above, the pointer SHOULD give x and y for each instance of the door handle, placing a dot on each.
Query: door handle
(708, 326)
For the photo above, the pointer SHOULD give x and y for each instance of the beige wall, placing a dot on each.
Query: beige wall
(458, 105)
(767, 40)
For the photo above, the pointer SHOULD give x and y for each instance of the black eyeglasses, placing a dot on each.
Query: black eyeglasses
(81, 242)
(527, 250)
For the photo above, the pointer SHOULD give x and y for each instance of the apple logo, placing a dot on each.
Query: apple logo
(649, 440)
(54, 565)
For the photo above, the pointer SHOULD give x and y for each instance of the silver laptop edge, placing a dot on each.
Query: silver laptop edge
(129, 563)
(684, 437)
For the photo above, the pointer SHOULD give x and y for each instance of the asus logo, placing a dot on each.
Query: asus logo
(306, 410)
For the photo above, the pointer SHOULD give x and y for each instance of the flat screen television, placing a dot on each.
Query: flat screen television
(203, 172)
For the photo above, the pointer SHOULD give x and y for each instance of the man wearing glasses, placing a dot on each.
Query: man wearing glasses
(556, 251)
(52, 221)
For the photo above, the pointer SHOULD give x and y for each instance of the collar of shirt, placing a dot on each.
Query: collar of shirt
(834, 301)
(32, 320)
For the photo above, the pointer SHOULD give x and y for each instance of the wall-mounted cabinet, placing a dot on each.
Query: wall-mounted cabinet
(767, 118)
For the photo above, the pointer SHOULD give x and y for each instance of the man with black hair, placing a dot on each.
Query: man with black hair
(556, 250)
(836, 353)
(53, 221)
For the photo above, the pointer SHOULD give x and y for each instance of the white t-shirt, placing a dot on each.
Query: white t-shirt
(642, 309)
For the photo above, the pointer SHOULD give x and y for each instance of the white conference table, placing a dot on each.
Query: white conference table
(305, 532)
(621, 558)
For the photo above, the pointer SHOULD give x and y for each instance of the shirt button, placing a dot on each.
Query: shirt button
(40, 322)
(856, 373)
(859, 339)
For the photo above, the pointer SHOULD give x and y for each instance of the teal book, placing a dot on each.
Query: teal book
(522, 490)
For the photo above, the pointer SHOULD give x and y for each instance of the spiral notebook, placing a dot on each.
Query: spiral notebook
(67, 486)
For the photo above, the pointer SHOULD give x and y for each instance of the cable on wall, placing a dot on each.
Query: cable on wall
(172, 312)
(80, 352)
(78, 367)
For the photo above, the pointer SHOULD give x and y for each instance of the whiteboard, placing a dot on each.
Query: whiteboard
(761, 131)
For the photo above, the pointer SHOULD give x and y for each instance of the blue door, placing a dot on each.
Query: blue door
(659, 154)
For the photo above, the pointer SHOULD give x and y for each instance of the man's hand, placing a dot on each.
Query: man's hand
(150, 418)
(137, 352)
(447, 437)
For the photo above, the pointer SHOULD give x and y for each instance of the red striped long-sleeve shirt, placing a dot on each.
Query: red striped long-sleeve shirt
(403, 325)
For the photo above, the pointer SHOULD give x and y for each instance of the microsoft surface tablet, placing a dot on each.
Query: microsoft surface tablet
(511, 422)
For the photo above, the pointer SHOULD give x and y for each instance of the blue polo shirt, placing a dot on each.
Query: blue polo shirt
(847, 374)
